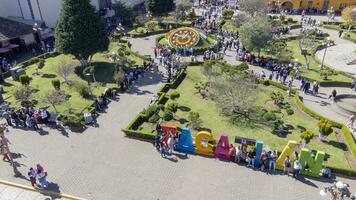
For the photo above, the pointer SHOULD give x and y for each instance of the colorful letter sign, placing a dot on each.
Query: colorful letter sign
(287, 151)
(314, 165)
(222, 148)
(203, 144)
(185, 143)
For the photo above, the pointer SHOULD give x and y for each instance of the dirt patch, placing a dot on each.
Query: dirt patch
(271, 106)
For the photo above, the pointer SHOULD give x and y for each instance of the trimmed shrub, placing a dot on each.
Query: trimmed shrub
(227, 14)
(269, 116)
(154, 118)
(168, 115)
(56, 84)
(172, 106)
(151, 110)
(290, 111)
(24, 79)
(325, 127)
(174, 95)
(194, 119)
(307, 136)
(84, 90)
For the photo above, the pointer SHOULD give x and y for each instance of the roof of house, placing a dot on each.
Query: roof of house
(12, 29)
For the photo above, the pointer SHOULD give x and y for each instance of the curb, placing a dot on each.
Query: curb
(46, 192)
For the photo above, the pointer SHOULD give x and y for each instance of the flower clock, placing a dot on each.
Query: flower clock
(183, 37)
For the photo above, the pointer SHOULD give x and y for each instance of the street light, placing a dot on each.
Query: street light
(326, 44)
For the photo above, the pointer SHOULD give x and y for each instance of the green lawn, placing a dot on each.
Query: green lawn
(217, 123)
(42, 83)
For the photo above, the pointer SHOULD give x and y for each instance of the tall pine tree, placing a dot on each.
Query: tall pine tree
(79, 30)
(159, 7)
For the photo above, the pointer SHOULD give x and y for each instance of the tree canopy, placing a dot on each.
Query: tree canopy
(159, 7)
(253, 7)
(256, 33)
(79, 30)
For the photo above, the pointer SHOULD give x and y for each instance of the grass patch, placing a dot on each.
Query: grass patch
(217, 123)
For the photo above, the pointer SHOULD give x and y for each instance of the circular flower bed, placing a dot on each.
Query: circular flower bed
(183, 37)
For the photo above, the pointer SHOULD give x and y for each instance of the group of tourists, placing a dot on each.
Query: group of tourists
(170, 61)
(26, 117)
(38, 174)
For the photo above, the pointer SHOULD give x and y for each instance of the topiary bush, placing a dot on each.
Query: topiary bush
(269, 116)
(307, 136)
(56, 84)
(167, 115)
(151, 110)
(24, 79)
(290, 111)
(172, 106)
(154, 118)
(174, 95)
(325, 128)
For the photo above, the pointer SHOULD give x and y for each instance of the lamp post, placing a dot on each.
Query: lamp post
(327, 44)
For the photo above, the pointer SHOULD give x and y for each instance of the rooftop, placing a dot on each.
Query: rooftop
(12, 29)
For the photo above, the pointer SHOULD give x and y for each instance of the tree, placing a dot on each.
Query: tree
(159, 7)
(253, 7)
(65, 68)
(79, 30)
(40, 65)
(23, 93)
(55, 98)
(234, 95)
(183, 7)
(349, 16)
(325, 128)
(227, 14)
(124, 11)
(256, 33)
(119, 77)
(278, 48)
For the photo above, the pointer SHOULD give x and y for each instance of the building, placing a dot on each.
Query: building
(319, 5)
(44, 10)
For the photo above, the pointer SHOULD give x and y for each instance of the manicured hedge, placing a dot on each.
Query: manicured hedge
(345, 130)
(348, 37)
(33, 61)
(343, 171)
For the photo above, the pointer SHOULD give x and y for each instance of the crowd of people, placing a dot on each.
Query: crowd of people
(26, 117)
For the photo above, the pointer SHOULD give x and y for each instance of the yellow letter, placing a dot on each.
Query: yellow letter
(202, 144)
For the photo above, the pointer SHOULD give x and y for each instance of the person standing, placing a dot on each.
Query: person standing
(41, 176)
(297, 167)
(287, 165)
(272, 162)
(4, 142)
(32, 175)
(7, 116)
(351, 120)
(340, 33)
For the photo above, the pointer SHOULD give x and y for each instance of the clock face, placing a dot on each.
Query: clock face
(183, 37)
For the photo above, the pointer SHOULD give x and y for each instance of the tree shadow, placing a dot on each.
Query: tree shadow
(339, 145)
(184, 108)
(183, 120)
(49, 76)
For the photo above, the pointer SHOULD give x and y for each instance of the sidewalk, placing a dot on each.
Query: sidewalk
(14, 193)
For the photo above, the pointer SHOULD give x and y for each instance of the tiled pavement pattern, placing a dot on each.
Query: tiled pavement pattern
(102, 164)
(14, 193)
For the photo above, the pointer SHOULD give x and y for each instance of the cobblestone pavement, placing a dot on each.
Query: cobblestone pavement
(13, 193)
(101, 163)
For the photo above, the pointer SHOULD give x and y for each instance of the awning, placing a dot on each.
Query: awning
(5, 50)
